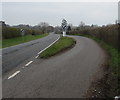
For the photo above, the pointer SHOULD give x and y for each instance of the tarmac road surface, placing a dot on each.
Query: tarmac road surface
(15, 55)
(66, 75)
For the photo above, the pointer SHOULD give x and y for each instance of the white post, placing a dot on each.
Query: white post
(64, 27)
(64, 33)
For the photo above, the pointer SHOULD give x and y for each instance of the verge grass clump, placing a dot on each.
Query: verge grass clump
(60, 45)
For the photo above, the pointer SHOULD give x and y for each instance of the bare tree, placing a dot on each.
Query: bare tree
(82, 24)
(57, 29)
(43, 26)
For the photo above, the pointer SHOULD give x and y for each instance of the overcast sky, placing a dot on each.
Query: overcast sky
(32, 13)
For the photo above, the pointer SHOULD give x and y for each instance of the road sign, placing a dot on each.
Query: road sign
(64, 27)
(22, 32)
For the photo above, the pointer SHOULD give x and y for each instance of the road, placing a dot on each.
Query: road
(15, 55)
(66, 75)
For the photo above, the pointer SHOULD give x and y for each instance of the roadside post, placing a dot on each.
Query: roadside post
(64, 27)
(22, 33)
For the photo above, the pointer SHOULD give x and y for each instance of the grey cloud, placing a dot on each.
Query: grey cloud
(34, 13)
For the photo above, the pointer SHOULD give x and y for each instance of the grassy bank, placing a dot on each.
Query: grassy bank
(60, 45)
(114, 64)
(19, 40)
(114, 61)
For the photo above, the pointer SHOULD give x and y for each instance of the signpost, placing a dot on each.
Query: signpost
(64, 27)
(22, 32)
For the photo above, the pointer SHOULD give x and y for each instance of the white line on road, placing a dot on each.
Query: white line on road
(37, 56)
(13, 74)
(49, 45)
(29, 63)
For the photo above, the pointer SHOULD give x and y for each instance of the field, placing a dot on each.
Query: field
(19, 40)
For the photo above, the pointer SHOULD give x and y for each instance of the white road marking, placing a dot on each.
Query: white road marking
(37, 56)
(13, 74)
(49, 45)
(29, 63)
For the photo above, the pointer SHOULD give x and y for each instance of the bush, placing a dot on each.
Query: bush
(28, 31)
(109, 34)
(10, 32)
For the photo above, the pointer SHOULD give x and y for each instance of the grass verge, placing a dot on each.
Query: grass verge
(62, 44)
(113, 63)
(19, 40)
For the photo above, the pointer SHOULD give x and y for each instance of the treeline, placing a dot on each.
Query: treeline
(110, 34)
(12, 32)
(15, 31)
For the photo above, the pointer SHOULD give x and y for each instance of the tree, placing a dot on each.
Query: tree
(50, 29)
(82, 24)
(43, 26)
(57, 29)
(69, 28)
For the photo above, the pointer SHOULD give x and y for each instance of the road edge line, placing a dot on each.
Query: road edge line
(49, 45)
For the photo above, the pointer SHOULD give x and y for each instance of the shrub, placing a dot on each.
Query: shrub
(109, 34)
(10, 32)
